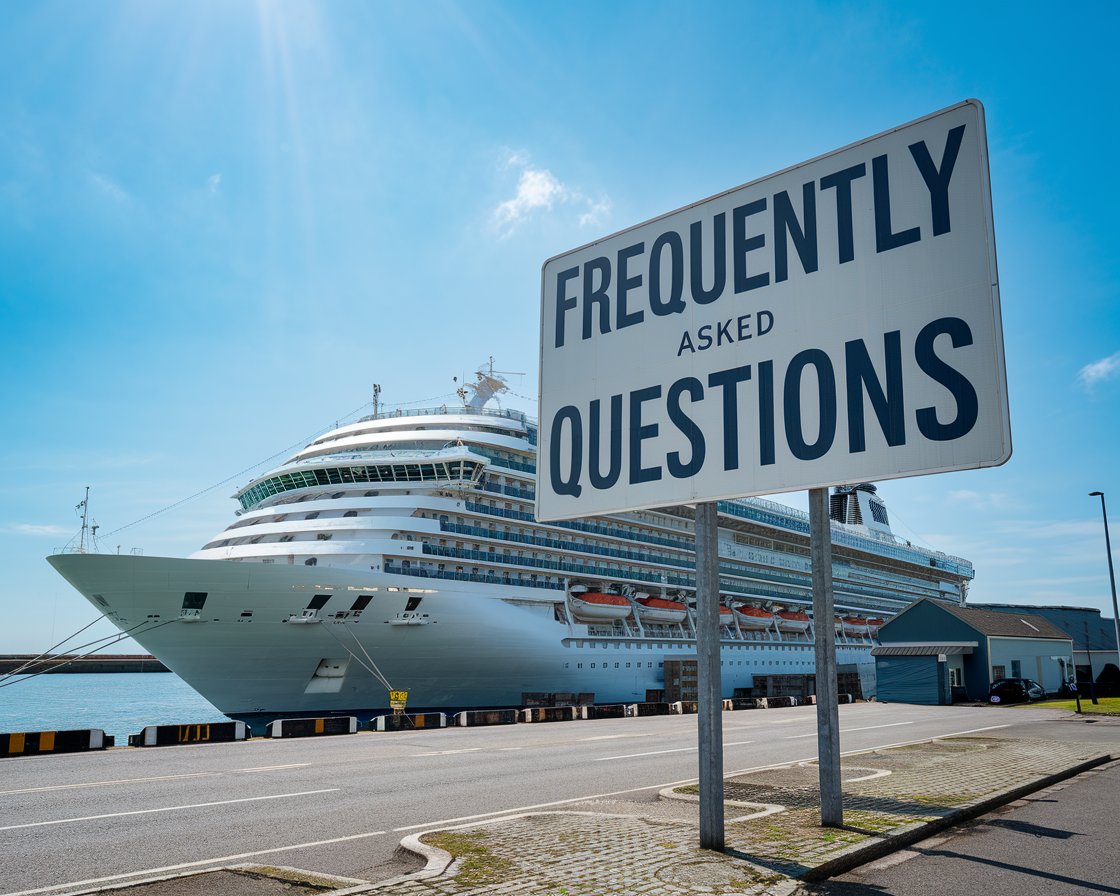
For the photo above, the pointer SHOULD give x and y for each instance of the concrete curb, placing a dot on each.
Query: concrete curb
(761, 810)
(436, 860)
(863, 853)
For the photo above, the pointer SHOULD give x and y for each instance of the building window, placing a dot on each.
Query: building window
(999, 672)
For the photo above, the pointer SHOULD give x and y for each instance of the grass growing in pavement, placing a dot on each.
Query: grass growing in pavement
(1104, 704)
(478, 867)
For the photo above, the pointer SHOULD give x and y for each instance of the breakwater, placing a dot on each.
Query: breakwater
(121, 662)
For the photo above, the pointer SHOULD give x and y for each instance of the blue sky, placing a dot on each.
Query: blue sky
(220, 222)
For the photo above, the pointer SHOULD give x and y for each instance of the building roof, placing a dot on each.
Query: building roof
(997, 624)
(1088, 628)
(923, 649)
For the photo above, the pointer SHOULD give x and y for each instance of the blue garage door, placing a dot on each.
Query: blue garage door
(907, 679)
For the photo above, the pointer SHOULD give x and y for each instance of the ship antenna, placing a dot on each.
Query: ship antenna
(376, 398)
(490, 383)
(84, 508)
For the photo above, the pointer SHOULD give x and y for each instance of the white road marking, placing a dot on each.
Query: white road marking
(758, 722)
(844, 731)
(272, 768)
(509, 749)
(217, 860)
(451, 752)
(737, 743)
(108, 783)
(250, 799)
(617, 736)
(263, 768)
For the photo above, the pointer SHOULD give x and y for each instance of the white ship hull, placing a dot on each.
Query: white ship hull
(471, 650)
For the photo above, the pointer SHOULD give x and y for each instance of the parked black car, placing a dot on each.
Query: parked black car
(1015, 690)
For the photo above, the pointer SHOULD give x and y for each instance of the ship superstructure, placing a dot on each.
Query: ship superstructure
(402, 551)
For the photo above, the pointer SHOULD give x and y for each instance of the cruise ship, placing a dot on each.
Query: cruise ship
(401, 553)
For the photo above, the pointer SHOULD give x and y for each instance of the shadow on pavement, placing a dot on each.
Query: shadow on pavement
(1035, 830)
(1087, 885)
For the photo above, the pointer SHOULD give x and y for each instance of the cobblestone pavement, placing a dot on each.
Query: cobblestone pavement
(621, 848)
(639, 849)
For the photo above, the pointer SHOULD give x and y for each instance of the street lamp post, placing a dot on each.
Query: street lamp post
(1111, 572)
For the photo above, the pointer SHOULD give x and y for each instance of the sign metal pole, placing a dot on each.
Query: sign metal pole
(710, 709)
(828, 715)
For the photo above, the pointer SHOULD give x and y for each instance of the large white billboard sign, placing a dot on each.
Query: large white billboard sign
(836, 322)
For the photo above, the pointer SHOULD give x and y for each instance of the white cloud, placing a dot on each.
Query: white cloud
(36, 529)
(539, 190)
(1098, 371)
(596, 214)
(214, 182)
(981, 500)
(109, 187)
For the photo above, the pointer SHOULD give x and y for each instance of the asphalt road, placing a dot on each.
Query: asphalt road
(340, 805)
(1060, 842)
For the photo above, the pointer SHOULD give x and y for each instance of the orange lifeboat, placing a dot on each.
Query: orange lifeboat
(792, 621)
(874, 624)
(754, 618)
(657, 609)
(598, 606)
(855, 627)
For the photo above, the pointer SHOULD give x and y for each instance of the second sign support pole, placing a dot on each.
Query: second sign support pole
(710, 721)
(828, 715)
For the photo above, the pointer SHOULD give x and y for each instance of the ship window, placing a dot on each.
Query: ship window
(311, 561)
(314, 515)
(350, 513)
(318, 601)
(338, 494)
(413, 602)
(193, 600)
(361, 603)
(324, 536)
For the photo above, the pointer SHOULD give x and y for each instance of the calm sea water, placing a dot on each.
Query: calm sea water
(120, 703)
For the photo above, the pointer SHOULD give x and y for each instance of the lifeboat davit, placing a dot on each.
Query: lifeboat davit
(792, 621)
(855, 627)
(657, 609)
(874, 624)
(596, 605)
(754, 618)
